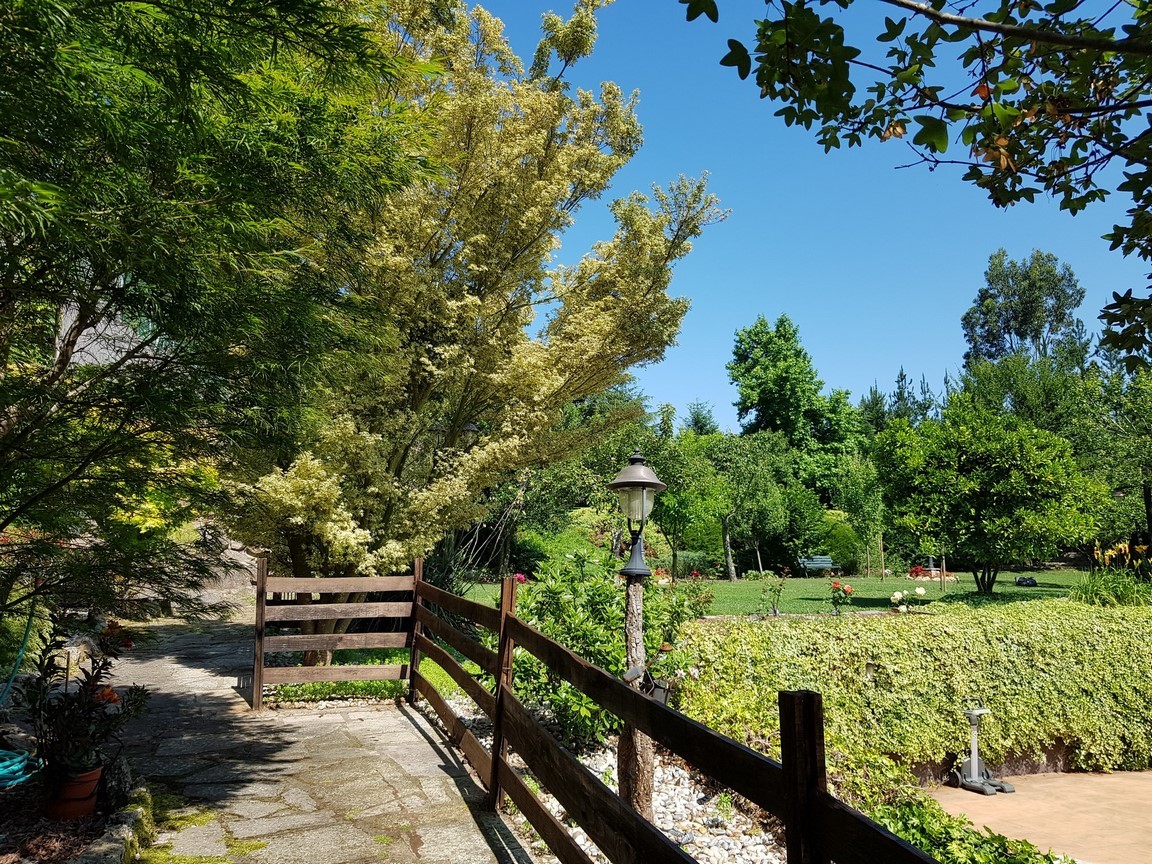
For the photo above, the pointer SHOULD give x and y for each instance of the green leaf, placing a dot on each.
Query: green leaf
(893, 29)
(933, 133)
(696, 8)
(739, 57)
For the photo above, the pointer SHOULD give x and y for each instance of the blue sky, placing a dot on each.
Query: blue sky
(875, 265)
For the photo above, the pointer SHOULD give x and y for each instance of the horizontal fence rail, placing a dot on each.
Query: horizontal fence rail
(818, 828)
(341, 599)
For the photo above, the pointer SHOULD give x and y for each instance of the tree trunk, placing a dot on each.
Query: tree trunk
(618, 542)
(759, 563)
(1146, 487)
(728, 560)
(634, 752)
(882, 556)
(986, 578)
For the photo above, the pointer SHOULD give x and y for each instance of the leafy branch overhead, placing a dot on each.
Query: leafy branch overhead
(1028, 98)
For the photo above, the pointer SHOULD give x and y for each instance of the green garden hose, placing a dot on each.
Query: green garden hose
(16, 767)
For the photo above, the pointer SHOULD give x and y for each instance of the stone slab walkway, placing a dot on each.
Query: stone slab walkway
(1095, 818)
(300, 786)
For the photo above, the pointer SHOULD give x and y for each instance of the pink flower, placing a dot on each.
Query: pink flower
(520, 578)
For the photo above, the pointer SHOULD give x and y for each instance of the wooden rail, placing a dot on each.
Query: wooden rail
(338, 602)
(818, 828)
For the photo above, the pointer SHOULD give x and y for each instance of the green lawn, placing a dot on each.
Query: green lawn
(809, 595)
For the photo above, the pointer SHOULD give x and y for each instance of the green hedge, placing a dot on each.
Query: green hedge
(1052, 671)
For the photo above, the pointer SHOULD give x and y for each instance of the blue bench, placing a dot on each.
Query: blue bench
(818, 563)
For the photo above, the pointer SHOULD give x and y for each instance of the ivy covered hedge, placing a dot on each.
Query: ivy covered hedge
(1054, 673)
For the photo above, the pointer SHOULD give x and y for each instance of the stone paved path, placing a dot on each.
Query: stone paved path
(1095, 818)
(308, 786)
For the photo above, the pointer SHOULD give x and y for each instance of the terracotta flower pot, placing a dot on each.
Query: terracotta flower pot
(74, 796)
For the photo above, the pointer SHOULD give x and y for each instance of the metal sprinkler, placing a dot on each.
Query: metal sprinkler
(973, 775)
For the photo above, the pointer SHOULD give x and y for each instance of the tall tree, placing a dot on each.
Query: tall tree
(777, 384)
(455, 386)
(749, 501)
(700, 419)
(1024, 306)
(184, 189)
(990, 489)
(1054, 103)
(873, 408)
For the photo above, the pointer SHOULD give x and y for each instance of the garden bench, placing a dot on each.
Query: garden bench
(816, 563)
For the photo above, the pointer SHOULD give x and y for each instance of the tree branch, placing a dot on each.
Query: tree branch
(1016, 31)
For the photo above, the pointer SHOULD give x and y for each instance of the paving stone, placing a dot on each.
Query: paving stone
(315, 785)
(299, 799)
(249, 809)
(200, 840)
(278, 824)
(336, 844)
(224, 791)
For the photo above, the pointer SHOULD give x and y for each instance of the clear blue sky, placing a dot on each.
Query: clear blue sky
(875, 265)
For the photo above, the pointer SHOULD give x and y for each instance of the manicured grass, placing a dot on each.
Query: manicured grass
(804, 596)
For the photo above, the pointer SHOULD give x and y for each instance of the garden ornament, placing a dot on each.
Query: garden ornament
(972, 774)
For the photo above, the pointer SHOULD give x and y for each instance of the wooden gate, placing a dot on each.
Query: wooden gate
(332, 603)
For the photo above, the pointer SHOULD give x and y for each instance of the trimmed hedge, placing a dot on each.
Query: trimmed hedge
(1054, 673)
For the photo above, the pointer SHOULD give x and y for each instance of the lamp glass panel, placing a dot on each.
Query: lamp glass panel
(636, 503)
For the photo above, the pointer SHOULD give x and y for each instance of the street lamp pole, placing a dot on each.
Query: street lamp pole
(637, 486)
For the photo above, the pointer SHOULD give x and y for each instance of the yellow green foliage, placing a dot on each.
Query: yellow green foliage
(451, 382)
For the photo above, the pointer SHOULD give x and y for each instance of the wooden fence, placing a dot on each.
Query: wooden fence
(338, 601)
(818, 828)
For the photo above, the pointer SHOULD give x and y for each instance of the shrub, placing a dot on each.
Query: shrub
(1052, 671)
(576, 601)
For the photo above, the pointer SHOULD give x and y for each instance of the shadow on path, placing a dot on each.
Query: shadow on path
(335, 786)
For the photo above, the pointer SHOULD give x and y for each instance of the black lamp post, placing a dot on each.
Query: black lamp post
(637, 486)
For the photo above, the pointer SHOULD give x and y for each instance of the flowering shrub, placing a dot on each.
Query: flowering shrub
(904, 601)
(841, 595)
(73, 710)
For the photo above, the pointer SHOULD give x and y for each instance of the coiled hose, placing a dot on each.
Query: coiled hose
(17, 766)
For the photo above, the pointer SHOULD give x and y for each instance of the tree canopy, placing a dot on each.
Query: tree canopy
(183, 196)
(988, 489)
(1023, 306)
(1028, 98)
(455, 383)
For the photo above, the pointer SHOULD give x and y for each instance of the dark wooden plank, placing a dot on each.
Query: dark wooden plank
(802, 758)
(337, 642)
(560, 842)
(413, 628)
(347, 585)
(470, 685)
(458, 733)
(850, 837)
(483, 657)
(504, 656)
(485, 616)
(619, 831)
(258, 648)
(746, 772)
(304, 674)
(327, 611)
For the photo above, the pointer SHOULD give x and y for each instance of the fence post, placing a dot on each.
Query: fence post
(414, 663)
(504, 655)
(258, 648)
(802, 755)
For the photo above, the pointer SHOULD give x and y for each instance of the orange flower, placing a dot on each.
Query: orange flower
(107, 695)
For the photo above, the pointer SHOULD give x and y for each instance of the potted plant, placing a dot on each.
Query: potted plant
(75, 714)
